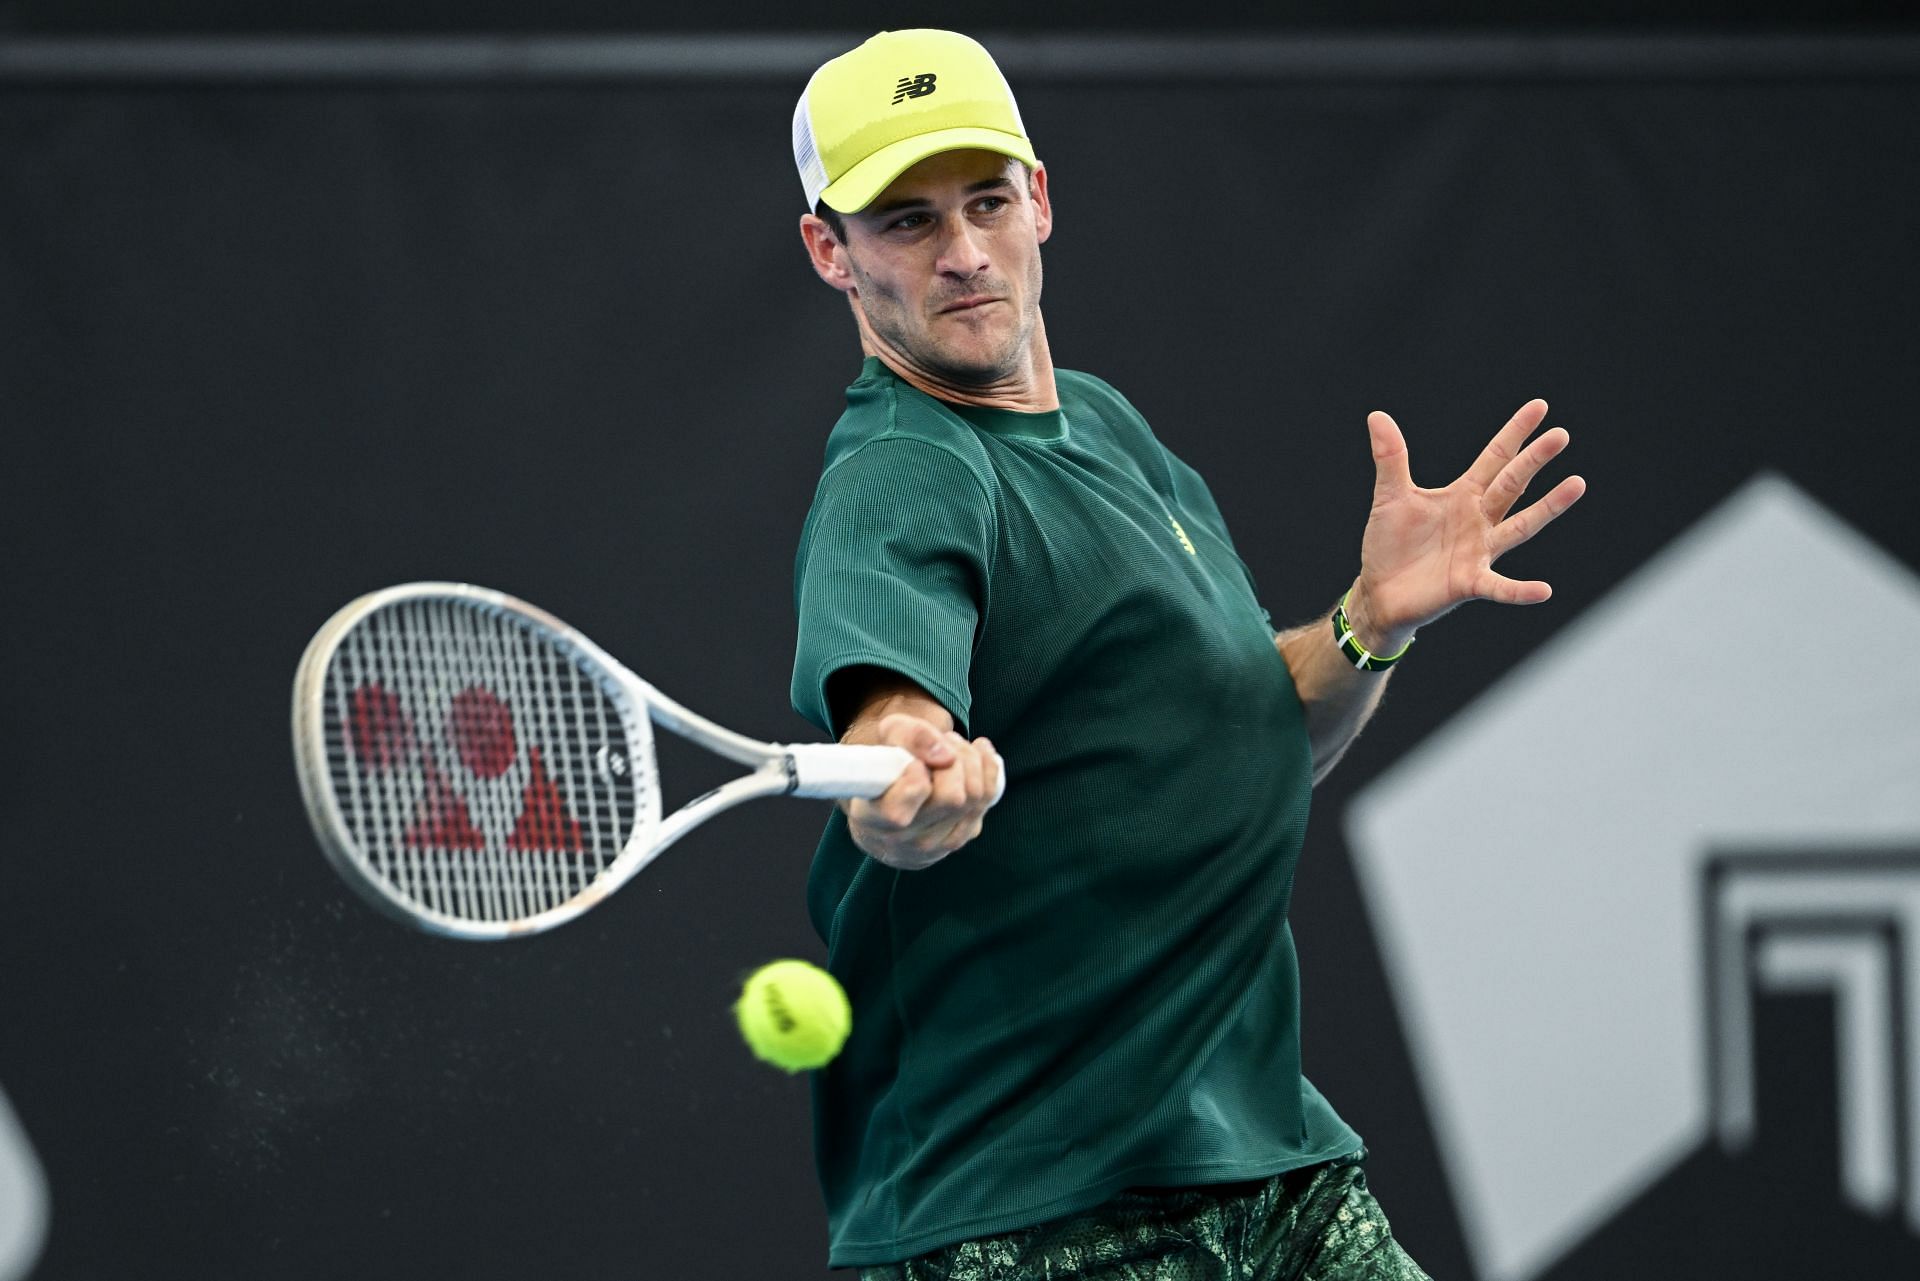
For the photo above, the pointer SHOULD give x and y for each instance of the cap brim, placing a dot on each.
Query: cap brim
(859, 185)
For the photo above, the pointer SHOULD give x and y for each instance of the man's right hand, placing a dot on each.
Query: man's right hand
(938, 804)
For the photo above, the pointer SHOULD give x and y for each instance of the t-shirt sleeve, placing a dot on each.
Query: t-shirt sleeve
(892, 572)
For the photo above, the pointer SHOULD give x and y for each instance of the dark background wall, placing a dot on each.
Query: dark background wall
(264, 349)
(350, 16)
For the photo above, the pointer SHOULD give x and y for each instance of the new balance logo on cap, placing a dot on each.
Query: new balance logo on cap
(914, 87)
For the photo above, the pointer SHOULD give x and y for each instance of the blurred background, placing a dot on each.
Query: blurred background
(1609, 925)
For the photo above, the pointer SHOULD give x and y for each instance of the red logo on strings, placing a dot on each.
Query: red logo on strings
(443, 820)
(480, 727)
(382, 733)
(482, 730)
(544, 823)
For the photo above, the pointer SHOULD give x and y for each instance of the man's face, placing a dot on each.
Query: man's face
(945, 264)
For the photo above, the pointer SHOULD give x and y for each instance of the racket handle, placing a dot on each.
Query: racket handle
(834, 770)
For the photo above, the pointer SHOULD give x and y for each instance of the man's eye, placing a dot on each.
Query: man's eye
(911, 222)
(992, 204)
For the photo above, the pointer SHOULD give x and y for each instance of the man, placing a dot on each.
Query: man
(1075, 1046)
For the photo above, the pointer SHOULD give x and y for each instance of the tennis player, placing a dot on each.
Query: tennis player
(1076, 1034)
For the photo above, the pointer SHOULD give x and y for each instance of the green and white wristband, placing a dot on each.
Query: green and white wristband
(1357, 654)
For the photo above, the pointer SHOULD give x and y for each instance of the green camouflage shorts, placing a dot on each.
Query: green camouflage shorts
(1315, 1224)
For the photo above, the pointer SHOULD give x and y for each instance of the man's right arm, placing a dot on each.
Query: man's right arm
(940, 802)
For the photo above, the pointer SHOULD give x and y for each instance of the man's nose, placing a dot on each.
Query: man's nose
(963, 253)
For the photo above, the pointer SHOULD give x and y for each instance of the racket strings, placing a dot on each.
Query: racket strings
(481, 773)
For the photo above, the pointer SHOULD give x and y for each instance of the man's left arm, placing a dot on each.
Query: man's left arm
(1424, 552)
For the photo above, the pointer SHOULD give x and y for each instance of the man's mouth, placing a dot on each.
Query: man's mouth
(968, 304)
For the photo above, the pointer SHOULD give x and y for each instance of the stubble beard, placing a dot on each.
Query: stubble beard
(886, 314)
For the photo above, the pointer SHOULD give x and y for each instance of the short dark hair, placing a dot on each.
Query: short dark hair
(831, 217)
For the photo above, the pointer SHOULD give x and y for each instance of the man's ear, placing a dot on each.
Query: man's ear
(824, 250)
(1042, 205)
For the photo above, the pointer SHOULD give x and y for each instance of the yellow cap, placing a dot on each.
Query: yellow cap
(874, 112)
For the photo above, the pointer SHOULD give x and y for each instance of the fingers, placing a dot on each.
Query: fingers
(995, 777)
(895, 809)
(1518, 474)
(950, 785)
(925, 740)
(929, 812)
(962, 793)
(950, 816)
(973, 762)
(1511, 591)
(986, 789)
(1390, 470)
(1517, 529)
(1505, 445)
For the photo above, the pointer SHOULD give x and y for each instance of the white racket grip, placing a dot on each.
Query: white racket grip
(834, 770)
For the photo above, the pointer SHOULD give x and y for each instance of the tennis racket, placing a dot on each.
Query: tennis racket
(478, 769)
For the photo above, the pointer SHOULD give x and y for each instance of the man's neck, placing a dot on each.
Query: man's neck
(1028, 389)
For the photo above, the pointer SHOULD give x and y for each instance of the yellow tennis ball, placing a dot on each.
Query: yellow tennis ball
(793, 1015)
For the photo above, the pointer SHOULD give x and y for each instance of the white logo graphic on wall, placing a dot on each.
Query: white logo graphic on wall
(1705, 788)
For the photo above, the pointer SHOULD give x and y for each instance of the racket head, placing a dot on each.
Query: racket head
(471, 765)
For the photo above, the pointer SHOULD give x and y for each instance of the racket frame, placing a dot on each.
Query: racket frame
(797, 769)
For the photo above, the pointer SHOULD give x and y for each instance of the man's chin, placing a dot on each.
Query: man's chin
(972, 369)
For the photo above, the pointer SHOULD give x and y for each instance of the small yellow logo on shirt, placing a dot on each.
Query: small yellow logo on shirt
(1184, 540)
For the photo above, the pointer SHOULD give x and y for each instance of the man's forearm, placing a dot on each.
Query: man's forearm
(1339, 698)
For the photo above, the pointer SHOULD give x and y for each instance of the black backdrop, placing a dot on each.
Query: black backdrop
(263, 350)
(354, 16)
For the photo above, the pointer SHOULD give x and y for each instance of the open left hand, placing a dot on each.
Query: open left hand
(1427, 550)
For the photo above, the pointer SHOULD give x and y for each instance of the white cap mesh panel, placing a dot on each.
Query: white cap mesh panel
(806, 157)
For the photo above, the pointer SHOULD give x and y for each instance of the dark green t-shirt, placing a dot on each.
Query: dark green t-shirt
(1101, 989)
